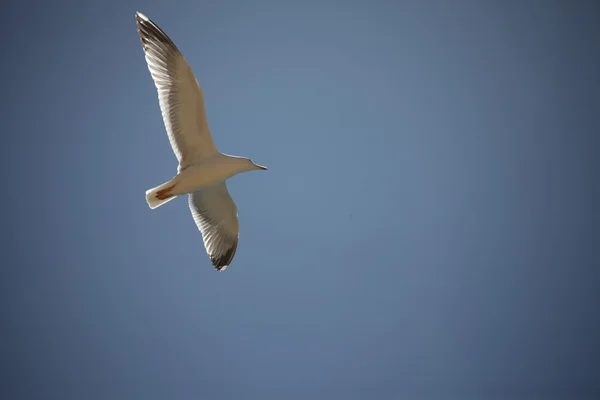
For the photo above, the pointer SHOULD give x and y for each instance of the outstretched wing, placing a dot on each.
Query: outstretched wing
(216, 216)
(180, 97)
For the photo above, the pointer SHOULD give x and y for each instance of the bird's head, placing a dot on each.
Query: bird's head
(253, 165)
(243, 164)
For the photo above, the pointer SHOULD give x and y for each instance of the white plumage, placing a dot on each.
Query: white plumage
(202, 168)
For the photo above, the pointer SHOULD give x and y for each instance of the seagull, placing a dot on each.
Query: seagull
(202, 169)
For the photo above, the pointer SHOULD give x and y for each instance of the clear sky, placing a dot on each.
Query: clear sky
(428, 226)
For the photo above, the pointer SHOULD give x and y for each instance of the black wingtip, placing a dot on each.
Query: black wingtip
(149, 31)
(222, 261)
(219, 267)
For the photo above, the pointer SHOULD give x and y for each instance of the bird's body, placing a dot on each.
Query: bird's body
(202, 168)
(206, 172)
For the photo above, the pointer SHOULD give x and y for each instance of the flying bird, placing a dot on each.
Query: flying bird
(202, 169)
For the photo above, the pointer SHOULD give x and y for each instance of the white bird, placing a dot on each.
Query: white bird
(202, 168)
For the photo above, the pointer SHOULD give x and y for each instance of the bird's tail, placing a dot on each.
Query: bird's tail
(160, 195)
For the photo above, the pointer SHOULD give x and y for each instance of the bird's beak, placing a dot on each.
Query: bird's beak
(261, 167)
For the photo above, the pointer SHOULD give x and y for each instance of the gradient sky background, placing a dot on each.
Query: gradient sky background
(428, 226)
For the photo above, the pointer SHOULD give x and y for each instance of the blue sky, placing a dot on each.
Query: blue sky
(428, 226)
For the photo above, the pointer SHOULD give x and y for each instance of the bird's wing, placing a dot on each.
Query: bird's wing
(179, 94)
(216, 216)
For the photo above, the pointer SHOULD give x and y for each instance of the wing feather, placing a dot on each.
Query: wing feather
(216, 216)
(179, 94)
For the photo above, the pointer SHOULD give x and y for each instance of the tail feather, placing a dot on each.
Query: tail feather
(152, 195)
